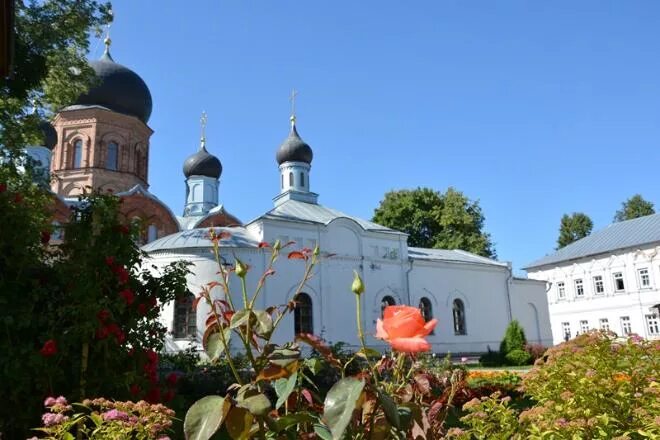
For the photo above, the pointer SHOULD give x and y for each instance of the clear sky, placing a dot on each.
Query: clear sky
(534, 108)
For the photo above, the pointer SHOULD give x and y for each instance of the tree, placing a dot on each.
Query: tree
(51, 41)
(436, 220)
(634, 207)
(573, 227)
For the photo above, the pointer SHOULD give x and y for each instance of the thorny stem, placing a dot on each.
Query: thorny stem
(224, 341)
(223, 274)
(273, 258)
(248, 327)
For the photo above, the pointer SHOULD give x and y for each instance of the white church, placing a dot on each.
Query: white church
(102, 141)
(474, 298)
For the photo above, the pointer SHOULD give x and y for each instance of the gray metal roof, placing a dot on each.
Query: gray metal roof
(199, 238)
(313, 213)
(627, 234)
(456, 255)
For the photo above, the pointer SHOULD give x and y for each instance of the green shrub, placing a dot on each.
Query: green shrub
(514, 338)
(491, 359)
(518, 357)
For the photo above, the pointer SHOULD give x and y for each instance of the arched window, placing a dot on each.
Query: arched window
(76, 161)
(290, 179)
(152, 233)
(112, 156)
(426, 309)
(302, 179)
(185, 318)
(386, 301)
(282, 181)
(303, 314)
(459, 317)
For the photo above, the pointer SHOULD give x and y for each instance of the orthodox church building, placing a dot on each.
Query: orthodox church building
(103, 142)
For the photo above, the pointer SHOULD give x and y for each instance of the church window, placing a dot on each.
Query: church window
(579, 288)
(303, 314)
(112, 156)
(290, 179)
(561, 290)
(427, 309)
(626, 328)
(386, 301)
(77, 154)
(459, 317)
(185, 318)
(599, 287)
(282, 181)
(604, 324)
(302, 180)
(566, 329)
(652, 324)
(152, 233)
(644, 278)
(584, 326)
(618, 281)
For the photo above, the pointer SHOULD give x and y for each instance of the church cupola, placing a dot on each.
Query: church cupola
(202, 171)
(295, 160)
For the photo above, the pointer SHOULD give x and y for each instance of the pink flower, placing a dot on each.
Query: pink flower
(50, 401)
(403, 327)
(61, 400)
(50, 419)
(114, 414)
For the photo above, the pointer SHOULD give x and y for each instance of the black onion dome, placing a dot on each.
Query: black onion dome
(48, 135)
(294, 149)
(119, 89)
(202, 163)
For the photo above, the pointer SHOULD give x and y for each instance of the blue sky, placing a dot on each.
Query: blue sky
(536, 109)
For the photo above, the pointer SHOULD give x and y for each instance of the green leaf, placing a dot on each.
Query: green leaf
(238, 423)
(289, 420)
(214, 346)
(323, 432)
(314, 365)
(239, 318)
(368, 353)
(257, 404)
(390, 409)
(284, 388)
(284, 356)
(340, 403)
(405, 416)
(205, 417)
(264, 322)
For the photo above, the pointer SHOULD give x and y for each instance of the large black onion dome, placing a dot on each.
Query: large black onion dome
(294, 149)
(48, 135)
(202, 163)
(119, 89)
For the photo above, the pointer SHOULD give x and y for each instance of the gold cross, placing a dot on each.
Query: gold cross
(203, 120)
(292, 98)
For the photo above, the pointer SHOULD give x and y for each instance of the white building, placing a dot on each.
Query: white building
(607, 280)
(474, 298)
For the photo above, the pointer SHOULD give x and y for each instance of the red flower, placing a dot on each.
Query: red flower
(128, 296)
(263, 244)
(103, 315)
(403, 327)
(135, 389)
(122, 229)
(122, 274)
(142, 309)
(120, 336)
(3, 187)
(113, 328)
(45, 237)
(153, 396)
(172, 379)
(18, 198)
(102, 333)
(49, 348)
(110, 261)
(153, 301)
(152, 356)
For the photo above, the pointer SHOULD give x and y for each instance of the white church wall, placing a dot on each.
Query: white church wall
(481, 288)
(529, 305)
(614, 308)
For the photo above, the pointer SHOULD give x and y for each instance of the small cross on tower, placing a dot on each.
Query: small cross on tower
(292, 98)
(203, 120)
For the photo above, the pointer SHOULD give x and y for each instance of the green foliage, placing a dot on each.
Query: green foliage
(50, 67)
(340, 403)
(573, 227)
(518, 357)
(491, 359)
(79, 318)
(436, 220)
(514, 338)
(595, 386)
(634, 207)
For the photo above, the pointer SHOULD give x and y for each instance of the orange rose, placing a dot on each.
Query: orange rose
(403, 327)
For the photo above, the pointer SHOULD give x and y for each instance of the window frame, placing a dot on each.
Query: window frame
(578, 284)
(561, 290)
(76, 159)
(604, 324)
(108, 164)
(584, 325)
(189, 329)
(459, 319)
(652, 324)
(641, 277)
(303, 314)
(599, 285)
(616, 278)
(626, 326)
(566, 330)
